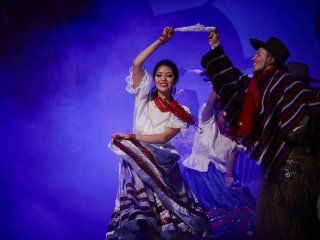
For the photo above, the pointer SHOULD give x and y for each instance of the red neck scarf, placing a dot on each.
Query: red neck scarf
(174, 107)
(251, 106)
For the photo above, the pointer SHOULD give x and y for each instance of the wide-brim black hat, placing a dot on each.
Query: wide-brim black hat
(301, 71)
(276, 47)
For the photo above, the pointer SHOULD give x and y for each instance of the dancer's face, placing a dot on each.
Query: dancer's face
(261, 60)
(164, 79)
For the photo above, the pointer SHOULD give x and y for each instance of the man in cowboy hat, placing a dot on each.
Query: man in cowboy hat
(271, 114)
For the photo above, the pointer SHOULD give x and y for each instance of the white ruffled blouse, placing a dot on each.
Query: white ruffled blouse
(209, 147)
(148, 119)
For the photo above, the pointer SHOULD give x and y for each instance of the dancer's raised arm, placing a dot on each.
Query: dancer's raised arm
(137, 64)
(209, 108)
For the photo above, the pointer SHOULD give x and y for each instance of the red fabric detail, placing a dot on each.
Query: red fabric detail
(132, 136)
(160, 105)
(251, 106)
(175, 108)
(228, 174)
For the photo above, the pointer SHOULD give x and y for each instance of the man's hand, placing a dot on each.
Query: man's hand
(214, 39)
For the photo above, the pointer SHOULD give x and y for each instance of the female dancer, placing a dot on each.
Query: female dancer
(152, 200)
(209, 172)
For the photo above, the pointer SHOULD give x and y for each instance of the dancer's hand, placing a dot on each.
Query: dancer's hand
(214, 39)
(167, 34)
(228, 178)
(123, 136)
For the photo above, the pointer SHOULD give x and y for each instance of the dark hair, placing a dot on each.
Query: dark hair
(170, 64)
(277, 63)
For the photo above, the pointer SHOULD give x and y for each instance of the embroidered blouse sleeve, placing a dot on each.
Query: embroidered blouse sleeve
(143, 89)
(175, 122)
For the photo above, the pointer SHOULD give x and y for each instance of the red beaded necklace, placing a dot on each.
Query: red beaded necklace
(175, 108)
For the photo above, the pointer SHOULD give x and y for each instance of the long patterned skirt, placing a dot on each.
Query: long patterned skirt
(152, 200)
(230, 209)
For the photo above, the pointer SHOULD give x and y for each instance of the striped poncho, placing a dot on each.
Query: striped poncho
(284, 102)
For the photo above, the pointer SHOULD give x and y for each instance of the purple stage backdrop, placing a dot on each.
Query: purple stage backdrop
(63, 65)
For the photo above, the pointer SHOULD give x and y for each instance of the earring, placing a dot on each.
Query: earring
(173, 90)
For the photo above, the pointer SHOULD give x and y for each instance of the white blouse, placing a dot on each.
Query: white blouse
(209, 146)
(148, 119)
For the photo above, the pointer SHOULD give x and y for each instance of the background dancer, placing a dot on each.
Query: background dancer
(209, 170)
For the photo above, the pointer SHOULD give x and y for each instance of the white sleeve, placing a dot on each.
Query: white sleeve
(210, 120)
(209, 146)
(175, 122)
(144, 87)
